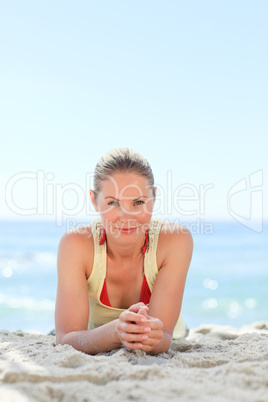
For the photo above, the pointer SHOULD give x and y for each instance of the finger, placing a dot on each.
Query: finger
(133, 338)
(145, 307)
(134, 328)
(132, 345)
(132, 317)
(147, 348)
(151, 342)
(136, 307)
(153, 337)
(143, 312)
(154, 323)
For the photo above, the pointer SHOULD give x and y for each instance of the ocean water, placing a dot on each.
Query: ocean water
(227, 282)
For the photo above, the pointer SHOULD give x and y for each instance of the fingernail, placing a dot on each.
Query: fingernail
(143, 320)
(147, 329)
(144, 337)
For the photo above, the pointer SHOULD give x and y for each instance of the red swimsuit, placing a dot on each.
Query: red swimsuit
(145, 290)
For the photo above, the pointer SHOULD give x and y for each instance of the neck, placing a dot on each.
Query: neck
(125, 252)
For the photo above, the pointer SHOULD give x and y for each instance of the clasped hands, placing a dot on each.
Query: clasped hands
(136, 330)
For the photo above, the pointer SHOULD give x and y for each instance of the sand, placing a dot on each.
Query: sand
(213, 363)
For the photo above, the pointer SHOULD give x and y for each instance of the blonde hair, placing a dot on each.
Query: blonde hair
(123, 160)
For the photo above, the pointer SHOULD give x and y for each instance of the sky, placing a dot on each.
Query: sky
(183, 83)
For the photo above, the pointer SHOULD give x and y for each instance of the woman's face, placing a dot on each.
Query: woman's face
(125, 203)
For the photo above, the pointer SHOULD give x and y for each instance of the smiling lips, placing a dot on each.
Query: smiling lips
(127, 230)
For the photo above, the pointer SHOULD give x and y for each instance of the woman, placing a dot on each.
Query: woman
(121, 279)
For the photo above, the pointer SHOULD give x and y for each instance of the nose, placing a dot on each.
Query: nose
(127, 213)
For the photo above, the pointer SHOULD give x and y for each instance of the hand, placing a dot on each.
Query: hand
(155, 335)
(132, 327)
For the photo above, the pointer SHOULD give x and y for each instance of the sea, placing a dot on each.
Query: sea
(227, 283)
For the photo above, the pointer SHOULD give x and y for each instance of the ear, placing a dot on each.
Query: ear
(155, 190)
(93, 200)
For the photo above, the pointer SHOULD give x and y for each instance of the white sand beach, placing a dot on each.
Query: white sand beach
(213, 363)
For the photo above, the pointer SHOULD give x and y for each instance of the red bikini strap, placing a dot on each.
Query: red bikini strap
(144, 247)
(103, 239)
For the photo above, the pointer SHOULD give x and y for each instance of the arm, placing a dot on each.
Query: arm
(175, 252)
(72, 306)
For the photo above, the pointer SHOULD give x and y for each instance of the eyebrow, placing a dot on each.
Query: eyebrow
(135, 199)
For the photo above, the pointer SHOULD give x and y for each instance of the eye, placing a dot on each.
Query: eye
(112, 203)
(140, 202)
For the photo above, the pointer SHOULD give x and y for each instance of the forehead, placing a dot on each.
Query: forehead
(125, 185)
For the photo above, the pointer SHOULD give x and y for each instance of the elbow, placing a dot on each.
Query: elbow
(60, 338)
(68, 338)
(78, 340)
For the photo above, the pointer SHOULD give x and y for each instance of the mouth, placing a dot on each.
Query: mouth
(127, 230)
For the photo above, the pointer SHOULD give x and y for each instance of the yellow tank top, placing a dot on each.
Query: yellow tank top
(99, 313)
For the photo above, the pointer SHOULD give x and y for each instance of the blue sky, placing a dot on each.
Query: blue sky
(184, 83)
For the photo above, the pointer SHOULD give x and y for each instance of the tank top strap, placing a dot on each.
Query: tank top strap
(98, 273)
(99, 250)
(150, 262)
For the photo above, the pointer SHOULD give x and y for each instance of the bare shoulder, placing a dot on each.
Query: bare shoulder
(172, 232)
(77, 246)
(175, 241)
(77, 236)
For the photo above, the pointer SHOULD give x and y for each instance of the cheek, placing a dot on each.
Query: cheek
(108, 212)
(146, 212)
